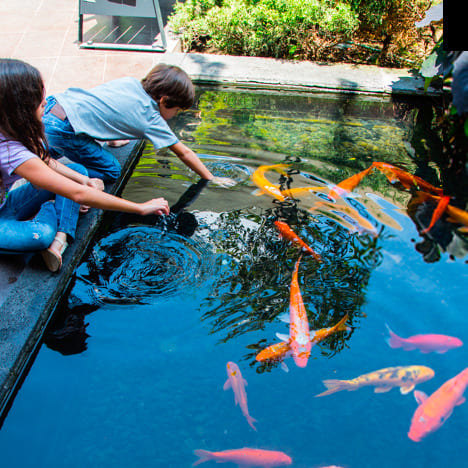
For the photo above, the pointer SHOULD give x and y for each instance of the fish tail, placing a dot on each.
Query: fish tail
(394, 341)
(341, 325)
(204, 455)
(333, 386)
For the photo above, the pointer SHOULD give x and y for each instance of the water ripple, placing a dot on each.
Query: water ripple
(139, 264)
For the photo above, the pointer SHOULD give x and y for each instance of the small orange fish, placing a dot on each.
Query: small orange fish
(405, 377)
(408, 180)
(281, 350)
(438, 212)
(265, 186)
(238, 384)
(349, 184)
(291, 236)
(434, 410)
(245, 457)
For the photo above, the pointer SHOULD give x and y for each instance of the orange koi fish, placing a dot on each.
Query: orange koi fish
(434, 410)
(408, 180)
(238, 384)
(265, 186)
(291, 236)
(438, 212)
(424, 343)
(349, 184)
(455, 215)
(279, 351)
(405, 377)
(245, 457)
(299, 335)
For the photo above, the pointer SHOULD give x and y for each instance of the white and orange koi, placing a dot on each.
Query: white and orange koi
(299, 335)
(405, 377)
(434, 410)
(281, 350)
(238, 384)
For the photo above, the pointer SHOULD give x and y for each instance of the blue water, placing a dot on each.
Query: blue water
(155, 312)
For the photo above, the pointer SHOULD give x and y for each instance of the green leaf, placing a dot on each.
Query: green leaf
(466, 126)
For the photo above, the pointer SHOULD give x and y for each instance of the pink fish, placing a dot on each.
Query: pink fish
(434, 410)
(425, 343)
(238, 384)
(245, 457)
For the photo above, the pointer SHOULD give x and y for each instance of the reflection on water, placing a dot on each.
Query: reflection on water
(162, 307)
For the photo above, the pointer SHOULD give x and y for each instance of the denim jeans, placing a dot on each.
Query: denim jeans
(80, 148)
(31, 217)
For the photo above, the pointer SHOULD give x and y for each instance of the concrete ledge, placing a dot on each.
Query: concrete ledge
(258, 73)
(31, 292)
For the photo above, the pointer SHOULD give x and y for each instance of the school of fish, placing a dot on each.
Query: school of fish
(432, 411)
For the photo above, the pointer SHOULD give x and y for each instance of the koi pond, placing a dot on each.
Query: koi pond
(167, 320)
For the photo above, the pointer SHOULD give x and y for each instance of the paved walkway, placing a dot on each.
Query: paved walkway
(44, 33)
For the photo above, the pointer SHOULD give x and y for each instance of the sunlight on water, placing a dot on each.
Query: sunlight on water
(165, 313)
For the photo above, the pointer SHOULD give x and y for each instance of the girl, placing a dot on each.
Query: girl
(42, 214)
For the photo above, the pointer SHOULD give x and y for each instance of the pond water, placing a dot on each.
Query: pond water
(132, 369)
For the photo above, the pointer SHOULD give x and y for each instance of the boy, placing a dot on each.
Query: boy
(120, 109)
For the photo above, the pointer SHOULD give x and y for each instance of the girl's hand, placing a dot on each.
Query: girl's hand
(95, 183)
(158, 206)
(225, 182)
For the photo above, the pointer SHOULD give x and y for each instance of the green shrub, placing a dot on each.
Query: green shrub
(273, 28)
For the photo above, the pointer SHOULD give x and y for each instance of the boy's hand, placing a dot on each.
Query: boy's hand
(96, 183)
(223, 181)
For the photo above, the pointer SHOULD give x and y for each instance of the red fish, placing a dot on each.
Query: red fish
(291, 236)
(408, 180)
(349, 184)
(438, 212)
(245, 457)
(425, 343)
(238, 384)
(299, 335)
(434, 410)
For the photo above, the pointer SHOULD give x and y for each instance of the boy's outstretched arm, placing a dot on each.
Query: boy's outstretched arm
(191, 160)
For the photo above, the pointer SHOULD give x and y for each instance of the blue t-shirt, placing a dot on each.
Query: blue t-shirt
(118, 109)
(12, 155)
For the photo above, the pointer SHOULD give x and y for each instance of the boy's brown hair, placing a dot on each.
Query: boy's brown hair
(170, 81)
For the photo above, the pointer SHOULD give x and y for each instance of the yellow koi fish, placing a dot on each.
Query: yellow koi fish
(405, 377)
(265, 186)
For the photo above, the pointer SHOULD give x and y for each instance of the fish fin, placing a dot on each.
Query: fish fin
(394, 341)
(404, 389)
(282, 337)
(285, 317)
(227, 384)
(411, 348)
(244, 382)
(460, 401)
(203, 455)
(334, 385)
(441, 351)
(284, 366)
(251, 420)
(420, 397)
(382, 389)
(258, 192)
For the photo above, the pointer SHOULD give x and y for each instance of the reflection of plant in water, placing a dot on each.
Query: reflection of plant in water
(253, 284)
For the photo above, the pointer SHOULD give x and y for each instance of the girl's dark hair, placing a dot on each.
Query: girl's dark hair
(170, 81)
(21, 93)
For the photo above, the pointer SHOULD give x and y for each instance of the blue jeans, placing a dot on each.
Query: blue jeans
(31, 217)
(80, 148)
